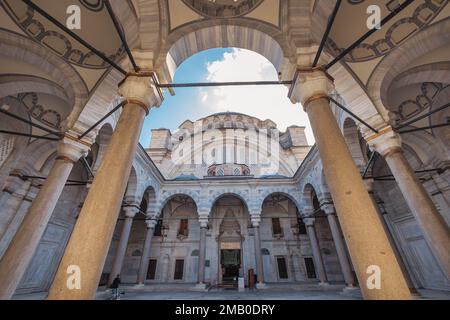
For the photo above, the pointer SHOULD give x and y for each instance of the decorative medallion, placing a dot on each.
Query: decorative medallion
(93, 5)
(223, 8)
(30, 101)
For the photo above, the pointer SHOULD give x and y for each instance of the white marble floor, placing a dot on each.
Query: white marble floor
(219, 294)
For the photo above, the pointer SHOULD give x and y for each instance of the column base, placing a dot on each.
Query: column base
(260, 285)
(241, 284)
(352, 291)
(139, 285)
(200, 287)
(324, 284)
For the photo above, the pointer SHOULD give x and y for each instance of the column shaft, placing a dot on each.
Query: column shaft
(145, 255)
(88, 246)
(202, 256)
(318, 261)
(24, 244)
(433, 225)
(11, 209)
(340, 249)
(367, 242)
(121, 249)
(258, 255)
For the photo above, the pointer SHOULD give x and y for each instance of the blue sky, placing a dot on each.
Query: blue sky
(225, 65)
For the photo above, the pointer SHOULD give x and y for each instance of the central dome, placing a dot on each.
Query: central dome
(223, 8)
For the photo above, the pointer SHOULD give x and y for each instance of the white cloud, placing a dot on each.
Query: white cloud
(264, 102)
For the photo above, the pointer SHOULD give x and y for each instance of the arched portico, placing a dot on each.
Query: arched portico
(100, 209)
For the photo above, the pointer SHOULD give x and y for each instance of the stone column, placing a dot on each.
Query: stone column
(339, 244)
(203, 219)
(130, 213)
(318, 261)
(143, 267)
(26, 240)
(12, 198)
(256, 221)
(434, 228)
(88, 246)
(367, 242)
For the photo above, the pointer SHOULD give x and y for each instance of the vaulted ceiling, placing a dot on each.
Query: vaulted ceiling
(78, 86)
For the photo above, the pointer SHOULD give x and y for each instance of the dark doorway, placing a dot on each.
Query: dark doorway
(310, 270)
(282, 268)
(230, 260)
(151, 271)
(179, 269)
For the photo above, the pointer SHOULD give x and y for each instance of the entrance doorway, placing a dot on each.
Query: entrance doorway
(230, 264)
(230, 260)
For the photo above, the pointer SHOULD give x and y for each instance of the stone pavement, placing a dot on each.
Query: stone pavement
(221, 294)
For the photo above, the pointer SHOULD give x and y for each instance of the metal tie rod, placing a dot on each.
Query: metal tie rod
(327, 32)
(440, 125)
(73, 34)
(223, 84)
(389, 17)
(423, 116)
(438, 170)
(30, 122)
(13, 133)
(87, 166)
(353, 115)
(120, 33)
(369, 163)
(120, 105)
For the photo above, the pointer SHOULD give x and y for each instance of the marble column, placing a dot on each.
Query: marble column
(12, 198)
(339, 245)
(26, 240)
(434, 228)
(130, 213)
(369, 247)
(256, 222)
(203, 220)
(89, 243)
(317, 256)
(143, 267)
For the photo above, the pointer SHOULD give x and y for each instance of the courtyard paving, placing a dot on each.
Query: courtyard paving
(267, 294)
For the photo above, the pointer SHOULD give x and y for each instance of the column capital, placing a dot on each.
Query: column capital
(385, 142)
(328, 209)
(151, 223)
(311, 84)
(255, 219)
(309, 222)
(139, 88)
(307, 212)
(130, 212)
(151, 215)
(72, 149)
(203, 219)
